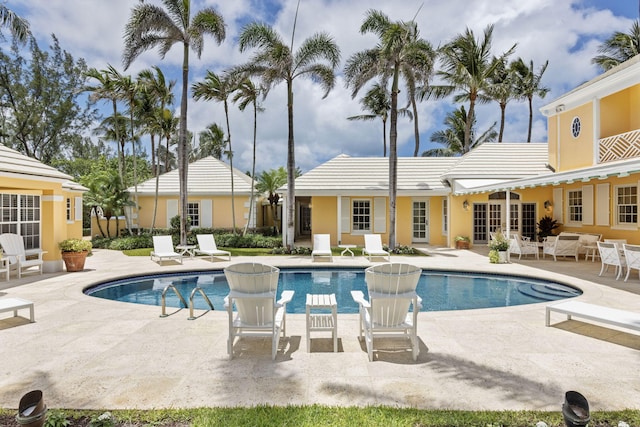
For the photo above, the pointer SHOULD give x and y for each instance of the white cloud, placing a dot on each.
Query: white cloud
(562, 31)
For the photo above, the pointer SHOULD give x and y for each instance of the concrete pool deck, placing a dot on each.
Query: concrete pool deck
(85, 352)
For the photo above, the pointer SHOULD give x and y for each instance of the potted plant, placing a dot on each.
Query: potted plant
(546, 227)
(498, 247)
(74, 253)
(462, 242)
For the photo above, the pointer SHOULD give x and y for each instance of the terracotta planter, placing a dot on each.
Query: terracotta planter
(462, 244)
(74, 261)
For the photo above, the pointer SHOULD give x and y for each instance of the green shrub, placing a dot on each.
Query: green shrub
(131, 242)
(75, 245)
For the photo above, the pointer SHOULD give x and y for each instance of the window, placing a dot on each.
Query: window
(627, 205)
(445, 217)
(574, 204)
(193, 212)
(68, 209)
(361, 215)
(575, 127)
(20, 214)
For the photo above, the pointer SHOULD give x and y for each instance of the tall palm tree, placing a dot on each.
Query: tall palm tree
(210, 142)
(452, 138)
(529, 84)
(399, 53)
(150, 26)
(619, 48)
(275, 62)
(268, 183)
(219, 88)
(247, 94)
(18, 26)
(467, 67)
(169, 125)
(114, 128)
(378, 102)
(502, 89)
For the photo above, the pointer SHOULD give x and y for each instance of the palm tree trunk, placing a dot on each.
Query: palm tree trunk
(183, 164)
(155, 200)
(135, 168)
(291, 170)
(154, 170)
(95, 212)
(530, 119)
(416, 129)
(393, 159)
(253, 166)
(233, 207)
(384, 137)
(467, 126)
(503, 107)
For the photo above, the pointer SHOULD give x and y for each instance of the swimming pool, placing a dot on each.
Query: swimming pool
(440, 290)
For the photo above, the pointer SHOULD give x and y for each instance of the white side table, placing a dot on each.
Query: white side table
(591, 250)
(347, 248)
(322, 321)
(186, 249)
(4, 267)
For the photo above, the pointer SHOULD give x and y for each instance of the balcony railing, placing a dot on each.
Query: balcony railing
(623, 146)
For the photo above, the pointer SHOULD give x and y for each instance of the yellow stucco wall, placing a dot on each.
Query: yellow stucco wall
(618, 112)
(576, 152)
(552, 141)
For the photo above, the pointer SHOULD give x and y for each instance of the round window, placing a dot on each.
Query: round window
(575, 127)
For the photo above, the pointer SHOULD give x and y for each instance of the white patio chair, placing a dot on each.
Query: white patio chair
(521, 246)
(321, 246)
(632, 258)
(610, 255)
(393, 305)
(20, 259)
(253, 289)
(207, 246)
(617, 242)
(562, 245)
(373, 247)
(163, 249)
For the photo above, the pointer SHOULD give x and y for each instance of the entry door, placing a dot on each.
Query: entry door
(421, 221)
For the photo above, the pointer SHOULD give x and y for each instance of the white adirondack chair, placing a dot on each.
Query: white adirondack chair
(20, 259)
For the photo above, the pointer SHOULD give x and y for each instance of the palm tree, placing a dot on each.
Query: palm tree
(619, 48)
(18, 26)
(378, 102)
(529, 84)
(275, 62)
(398, 53)
(219, 89)
(502, 89)
(210, 143)
(268, 183)
(468, 65)
(246, 95)
(114, 128)
(150, 26)
(169, 126)
(452, 138)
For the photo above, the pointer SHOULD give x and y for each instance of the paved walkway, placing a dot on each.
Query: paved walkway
(84, 352)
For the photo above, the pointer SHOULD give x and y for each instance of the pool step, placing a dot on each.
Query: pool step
(546, 292)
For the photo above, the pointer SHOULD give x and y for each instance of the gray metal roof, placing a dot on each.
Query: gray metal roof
(207, 176)
(344, 175)
(16, 165)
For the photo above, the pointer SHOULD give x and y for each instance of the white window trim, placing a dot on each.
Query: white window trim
(368, 230)
(616, 225)
(571, 222)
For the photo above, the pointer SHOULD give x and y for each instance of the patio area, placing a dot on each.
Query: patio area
(85, 352)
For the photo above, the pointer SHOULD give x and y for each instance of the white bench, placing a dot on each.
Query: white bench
(15, 304)
(598, 313)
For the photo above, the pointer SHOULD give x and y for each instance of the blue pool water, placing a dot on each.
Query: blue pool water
(439, 290)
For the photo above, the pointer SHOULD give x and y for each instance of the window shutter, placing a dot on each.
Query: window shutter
(557, 204)
(206, 213)
(587, 205)
(345, 215)
(78, 208)
(172, 210)
(602, 204)
(379, 215)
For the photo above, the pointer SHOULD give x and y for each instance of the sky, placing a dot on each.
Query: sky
(567, 33)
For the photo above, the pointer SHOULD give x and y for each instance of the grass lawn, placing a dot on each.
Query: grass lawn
(317, 415)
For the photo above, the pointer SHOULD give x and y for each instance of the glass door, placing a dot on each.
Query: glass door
(420, 221)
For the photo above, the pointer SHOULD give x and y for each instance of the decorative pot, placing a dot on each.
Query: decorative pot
(462, 244)
(74, 261)
(502, 257)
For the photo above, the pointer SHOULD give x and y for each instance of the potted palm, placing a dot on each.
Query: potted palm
(74, 253)
(462, 242)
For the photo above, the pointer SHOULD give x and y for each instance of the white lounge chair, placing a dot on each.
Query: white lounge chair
(610, 255)
(163, 249)
(562, 245)
(321, 246)
(207, 246)
(598, 313)
(392, 293)
(522, 246)
(373, 247)
(253, 289)
(20, 259)
(632, 258)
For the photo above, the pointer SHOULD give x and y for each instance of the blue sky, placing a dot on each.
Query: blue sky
(565, 32)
